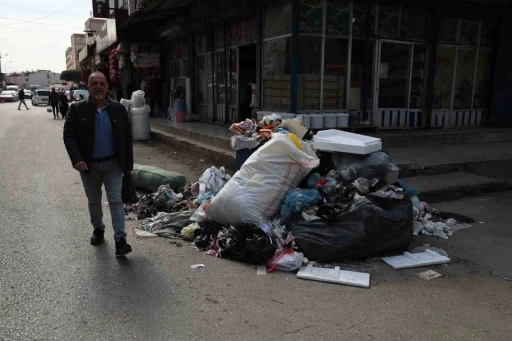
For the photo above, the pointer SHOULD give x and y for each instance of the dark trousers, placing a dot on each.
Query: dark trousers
(55, 107)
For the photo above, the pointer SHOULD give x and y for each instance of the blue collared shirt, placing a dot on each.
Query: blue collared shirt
(103, 137)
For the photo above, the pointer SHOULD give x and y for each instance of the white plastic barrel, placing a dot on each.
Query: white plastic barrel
(330, 120)
(141, 129)
(317, 121)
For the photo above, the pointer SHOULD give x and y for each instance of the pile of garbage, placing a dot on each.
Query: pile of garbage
(290, 204)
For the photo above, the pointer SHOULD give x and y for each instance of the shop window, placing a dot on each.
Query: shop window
(418, 76)
(360, 17)
(389, 19)
(178, 49)
(443, 81)
(448, 30)
(310, 16)
(219, 36)
(201, 79)
(338, 18)
(309, 71)
(356, 73)
(241, 32)
(464, 78)
(232, 75)
(220, 74)
(482, 99)
(414, 23)
(209, 78)
(469, 32)
(394, 75)
(278, 19)
(276, 73)
(487, 36)
(335, 73)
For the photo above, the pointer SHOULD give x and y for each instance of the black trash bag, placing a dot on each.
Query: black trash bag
(362, 229)
(374, 165)
(205, 235)
(246, 243)
(129, 193)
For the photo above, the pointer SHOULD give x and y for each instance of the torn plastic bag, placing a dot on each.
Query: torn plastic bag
(358, 230)
(166, 224)
(246, 243)
(256, 192)
(375, 165)
(297, 199)
(214, 179)
(285, 260)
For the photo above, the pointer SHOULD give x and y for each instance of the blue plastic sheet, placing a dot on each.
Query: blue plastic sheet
(297, 199)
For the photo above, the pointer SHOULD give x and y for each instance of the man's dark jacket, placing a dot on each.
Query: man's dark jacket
(21, 94)
(79, 133)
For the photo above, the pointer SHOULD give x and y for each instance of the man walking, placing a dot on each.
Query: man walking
(53, 100)
(21, 96)
(98, 138)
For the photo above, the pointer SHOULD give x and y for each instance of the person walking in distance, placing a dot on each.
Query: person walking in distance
(53, 100)
(64, 104)
(21, 96)
(98, 139)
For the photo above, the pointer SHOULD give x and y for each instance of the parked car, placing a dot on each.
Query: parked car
(68, 95)
(12, 88)
(80, 94)
(41, 97)
(28, 93)
(8, 96)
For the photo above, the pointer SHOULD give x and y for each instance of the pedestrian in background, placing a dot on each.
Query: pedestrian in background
(64, 104)
(53, 100)
(21, 97)
(98, 138)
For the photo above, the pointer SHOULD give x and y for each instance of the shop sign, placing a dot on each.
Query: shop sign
(100, 9)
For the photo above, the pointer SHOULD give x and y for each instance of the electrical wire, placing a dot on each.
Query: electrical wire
(46, 16)
(14, 5)
(39, 23)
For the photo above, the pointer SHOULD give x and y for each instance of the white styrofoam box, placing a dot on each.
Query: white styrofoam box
(413, 260)
(286, 116)
(344, 142)
(342, 120)
(317, 121)
(336, 275)
(330, 120)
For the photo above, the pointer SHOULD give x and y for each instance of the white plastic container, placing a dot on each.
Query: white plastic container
(306, 121)
(317, 121)
(342, 120)
(141, 129)
(286, 116)
(330, 120)
(343, 142)
(261, 114)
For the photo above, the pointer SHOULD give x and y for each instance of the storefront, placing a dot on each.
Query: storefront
(392, 65)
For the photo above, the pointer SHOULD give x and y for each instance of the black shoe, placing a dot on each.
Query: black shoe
(122, 248)
(97, 237)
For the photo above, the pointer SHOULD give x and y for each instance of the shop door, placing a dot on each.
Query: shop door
(400, 85)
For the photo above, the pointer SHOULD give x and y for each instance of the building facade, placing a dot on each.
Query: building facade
(391, 64)
(78, 42)
(69, 58)
(42, 78)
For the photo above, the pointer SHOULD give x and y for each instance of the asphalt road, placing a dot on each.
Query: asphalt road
(55, 286)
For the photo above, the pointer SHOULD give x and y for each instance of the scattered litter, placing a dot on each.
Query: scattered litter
(261, 270)
(211, 252)
(410, 260)
(144, 234)
(429, 275)
(179, 245)
(336, 275)
(197, 266)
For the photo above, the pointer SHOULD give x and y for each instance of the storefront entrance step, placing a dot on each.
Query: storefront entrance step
(211, 154)
(454, 186)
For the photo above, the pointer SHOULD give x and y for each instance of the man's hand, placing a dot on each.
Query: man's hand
(81, 166)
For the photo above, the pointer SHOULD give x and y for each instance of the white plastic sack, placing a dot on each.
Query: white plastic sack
(137, 99)
(257, 190)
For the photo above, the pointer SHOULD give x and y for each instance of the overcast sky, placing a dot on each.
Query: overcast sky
(36, 33)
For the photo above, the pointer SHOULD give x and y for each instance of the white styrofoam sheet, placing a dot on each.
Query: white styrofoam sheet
(345, 142)
(336, 275)
(414, 260)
